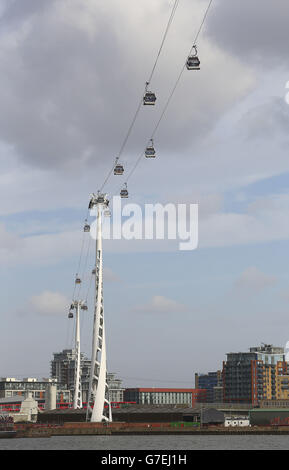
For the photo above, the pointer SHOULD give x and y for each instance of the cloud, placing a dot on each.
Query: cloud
(48, 303)
(254, 280)
(256, 31)
(160, 304)
(38, 250)
(72, 73)
(266, 121)
(263, 220)
(110, 276)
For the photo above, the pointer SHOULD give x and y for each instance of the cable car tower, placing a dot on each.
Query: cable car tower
(77, 399)
(98, 388)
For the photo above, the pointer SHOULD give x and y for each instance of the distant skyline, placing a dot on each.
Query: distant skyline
(71, 75)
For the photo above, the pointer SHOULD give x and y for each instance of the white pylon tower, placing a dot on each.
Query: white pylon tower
(98, 388)
(77, 399)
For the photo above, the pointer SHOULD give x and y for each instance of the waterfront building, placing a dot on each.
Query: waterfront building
(213, 383)
(115, 388)
(269, 417)
(237, 421)
(12, 387)
(164, 396)
(249, 377)
(63, 369)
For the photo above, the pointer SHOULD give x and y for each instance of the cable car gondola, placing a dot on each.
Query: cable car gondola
(70, 315)
(149, 97)
(84, 307)
(193, 62)
(118, 169)
(86, 227)
(150, 151)
(124, 192)
(78, 280)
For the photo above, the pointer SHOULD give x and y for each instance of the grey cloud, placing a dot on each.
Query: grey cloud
(69, 85)
(254, 30)
(266, 121)
(17, 10)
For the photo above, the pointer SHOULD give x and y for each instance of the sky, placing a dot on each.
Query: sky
(71, 76)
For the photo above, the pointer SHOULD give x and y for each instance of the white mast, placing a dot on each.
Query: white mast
(98, 388)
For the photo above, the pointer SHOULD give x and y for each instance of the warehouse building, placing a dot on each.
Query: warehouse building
(269, 417)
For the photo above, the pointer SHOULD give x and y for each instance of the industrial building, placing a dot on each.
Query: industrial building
(142, 414)
(250, 377)
(269, 417)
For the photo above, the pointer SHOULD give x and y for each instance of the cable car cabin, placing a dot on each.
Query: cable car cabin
(86, 228)
(93, 271)
(150, 152)
(77, 280)
(71, 306)
(149, 98)
(70, 315)
(124, 191)
(118, 170)
(84, 307)
(193, 63)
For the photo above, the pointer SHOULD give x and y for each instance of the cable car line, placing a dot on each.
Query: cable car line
(173, 90)
(149, 151)
(124, 191)
(145, 93)
(164, 38)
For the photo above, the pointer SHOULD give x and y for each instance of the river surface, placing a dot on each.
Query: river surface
(241, 442)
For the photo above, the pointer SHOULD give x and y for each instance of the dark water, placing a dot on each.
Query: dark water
(148, 443)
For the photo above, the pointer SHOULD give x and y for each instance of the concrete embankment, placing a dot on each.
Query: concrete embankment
(88, 429)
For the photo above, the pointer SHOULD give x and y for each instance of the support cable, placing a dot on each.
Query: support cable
(176, 3)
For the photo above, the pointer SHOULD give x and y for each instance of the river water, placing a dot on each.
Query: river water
(241, 442)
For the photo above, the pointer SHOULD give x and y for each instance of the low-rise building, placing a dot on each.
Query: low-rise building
(237, 421)
(164, 396)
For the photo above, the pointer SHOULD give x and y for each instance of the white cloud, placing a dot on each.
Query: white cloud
(48, 303)
(254, 280)
(110, 276)
(266, 220)
(160, 304)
